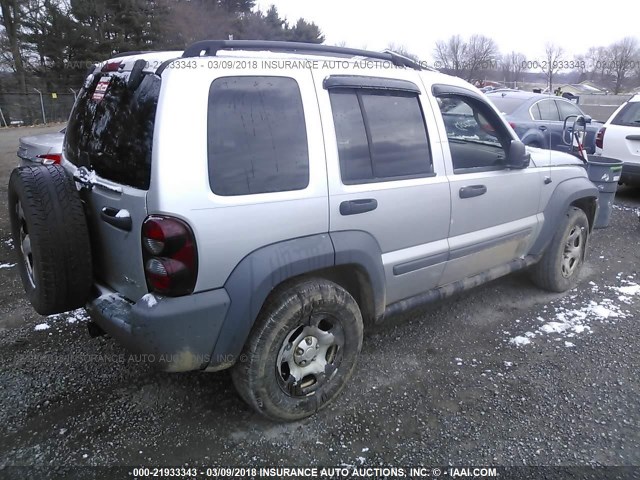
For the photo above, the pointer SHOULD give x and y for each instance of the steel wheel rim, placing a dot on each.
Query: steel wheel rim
(310, 355)
(572, 253)
(25, 245)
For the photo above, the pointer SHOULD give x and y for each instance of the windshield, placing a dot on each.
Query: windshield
(110, 129)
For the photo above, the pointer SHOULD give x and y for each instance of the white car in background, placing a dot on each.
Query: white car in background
(619, 138)
(43, 149)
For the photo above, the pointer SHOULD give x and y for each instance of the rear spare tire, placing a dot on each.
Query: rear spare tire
(51, 238)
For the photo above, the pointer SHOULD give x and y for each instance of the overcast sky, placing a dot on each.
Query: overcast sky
(523, 26)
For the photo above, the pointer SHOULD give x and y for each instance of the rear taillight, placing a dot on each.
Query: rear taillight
(600, 137)
(170, 256)
(50, 158)
(513, 125)
(110, 67)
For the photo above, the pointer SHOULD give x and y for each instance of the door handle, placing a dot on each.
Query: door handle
(354, 207)
(633, 137)
(114, 216)
(473, 191)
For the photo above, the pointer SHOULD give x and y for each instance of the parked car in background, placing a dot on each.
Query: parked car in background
(538, 119)
(45, 148)
(620, 138)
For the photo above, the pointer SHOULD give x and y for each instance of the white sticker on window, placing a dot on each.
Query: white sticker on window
(101, 88)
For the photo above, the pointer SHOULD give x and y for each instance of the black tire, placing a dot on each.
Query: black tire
(51, 238)
(301, 317)
(560, 266)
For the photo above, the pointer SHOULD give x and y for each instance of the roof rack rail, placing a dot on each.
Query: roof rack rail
(211, 47)
(126, 54)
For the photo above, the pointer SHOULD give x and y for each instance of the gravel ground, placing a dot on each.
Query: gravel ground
(502, 375)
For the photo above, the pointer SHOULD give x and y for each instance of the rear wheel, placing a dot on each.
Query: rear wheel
(560, 266)
(51, 238)
(302, 350)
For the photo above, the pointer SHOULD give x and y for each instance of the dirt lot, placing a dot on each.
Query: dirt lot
(503, 375)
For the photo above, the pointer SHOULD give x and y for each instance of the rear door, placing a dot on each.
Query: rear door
(386, 174)
(108, 144)
(622, 137)
(547, 119)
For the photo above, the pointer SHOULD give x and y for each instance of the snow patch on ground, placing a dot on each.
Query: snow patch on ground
(150, 300)
(42, 326)
(624, 208)
(75, 316)
(520, 341)
(8, 242)
(567, 318)
(631, 289)
(7, 265)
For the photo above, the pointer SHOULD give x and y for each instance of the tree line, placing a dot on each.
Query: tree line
(51, 43)
(615, 67)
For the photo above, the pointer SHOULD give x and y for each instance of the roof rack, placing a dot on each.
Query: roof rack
(211, 48)
(127, 54)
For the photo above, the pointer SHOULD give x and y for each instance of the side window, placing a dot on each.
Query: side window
(629, 115)
(381, 135)
(548, 111)
(566, 109)
(535, 111)
(477, 137)
(257, 138)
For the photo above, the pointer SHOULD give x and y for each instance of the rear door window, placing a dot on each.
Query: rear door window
(257, 137)
(548, 111)
(567, 109)
(110, 129)
(629, 115)
(381, 135)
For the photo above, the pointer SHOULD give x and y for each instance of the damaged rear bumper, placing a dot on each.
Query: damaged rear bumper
(176, 334)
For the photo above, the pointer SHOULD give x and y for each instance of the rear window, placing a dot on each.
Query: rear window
(506, 105)
(629, 115)
(257, 138)
(111, 131)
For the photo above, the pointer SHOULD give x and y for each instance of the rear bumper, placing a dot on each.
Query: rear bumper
(175, 334)
(630, 173)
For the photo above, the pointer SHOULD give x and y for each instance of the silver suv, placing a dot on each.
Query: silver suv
(254, 205)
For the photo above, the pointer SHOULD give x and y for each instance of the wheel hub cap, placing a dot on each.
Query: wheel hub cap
(306, 351)
(310, 356)
(25, 245)
(573, 249)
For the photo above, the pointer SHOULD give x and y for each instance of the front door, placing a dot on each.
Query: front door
(494, 210)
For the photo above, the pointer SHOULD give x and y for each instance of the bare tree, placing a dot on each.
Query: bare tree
(622, 56)
(512, 66)
(450, 55)
(466, 59)
(481, 55)
(598, 63)
(551, 63)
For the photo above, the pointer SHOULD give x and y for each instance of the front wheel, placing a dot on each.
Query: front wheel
(302, 350)
(560, 266)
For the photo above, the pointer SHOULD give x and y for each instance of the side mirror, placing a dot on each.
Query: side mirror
(518, 157)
